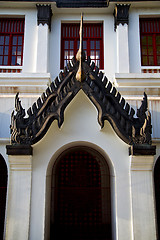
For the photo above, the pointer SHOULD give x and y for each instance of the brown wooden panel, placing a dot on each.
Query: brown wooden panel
(81, 205)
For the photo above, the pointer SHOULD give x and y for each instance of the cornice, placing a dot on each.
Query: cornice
(142, 163)
(82, 3)
(138, 83)
(19, 150)
(50, 1)
(121, 14)
(44, 14)
(24, 82)
(19, 163)
(138, 150)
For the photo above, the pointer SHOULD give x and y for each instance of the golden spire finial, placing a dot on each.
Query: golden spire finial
(80, 54)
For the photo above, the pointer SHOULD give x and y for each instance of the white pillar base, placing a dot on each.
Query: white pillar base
(144, 222)
(19, 194)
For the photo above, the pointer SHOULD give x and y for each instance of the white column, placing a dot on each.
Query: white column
(144, 226)
(122, 49)
(19, 195)
(42, 48)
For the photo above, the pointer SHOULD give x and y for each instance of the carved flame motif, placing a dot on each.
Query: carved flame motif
(111, 106)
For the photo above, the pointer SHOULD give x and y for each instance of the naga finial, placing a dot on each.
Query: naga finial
(80, 54)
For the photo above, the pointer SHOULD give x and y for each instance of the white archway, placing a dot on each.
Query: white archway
(91, 147)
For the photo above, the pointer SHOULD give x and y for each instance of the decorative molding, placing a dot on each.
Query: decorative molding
(121, 14)
(136, 83)
(138, 150)
(109, 103)
(111, 106)
(146, 80)
(11, 69)
(67, 1)
(4, 140)
(150, 69)
(20, 163)
(142, 163)
(19, 150)
(44, 14)
(23, 82)
(82, 3)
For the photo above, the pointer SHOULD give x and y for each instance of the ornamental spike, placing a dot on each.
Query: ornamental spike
(80, 54)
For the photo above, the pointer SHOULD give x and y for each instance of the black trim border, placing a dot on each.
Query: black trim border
(142, 150)
(19, 150)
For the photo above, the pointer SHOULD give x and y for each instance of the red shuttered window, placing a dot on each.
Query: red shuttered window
(150, 41)
(11, 42)
(92, 42)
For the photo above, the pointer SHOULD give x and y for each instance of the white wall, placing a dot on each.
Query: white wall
(110, 51)
(81, 127)
(80, 124)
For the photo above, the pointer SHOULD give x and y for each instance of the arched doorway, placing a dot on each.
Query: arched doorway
(3, 191)
(157, 192)
(81, 199)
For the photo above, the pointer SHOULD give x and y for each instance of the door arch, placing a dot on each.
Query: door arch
(157, 192)
(3, 192)
(81, 196)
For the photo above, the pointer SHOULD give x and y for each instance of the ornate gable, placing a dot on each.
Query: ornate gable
(111, 106)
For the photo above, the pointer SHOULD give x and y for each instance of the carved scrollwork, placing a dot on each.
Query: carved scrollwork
(110, 104)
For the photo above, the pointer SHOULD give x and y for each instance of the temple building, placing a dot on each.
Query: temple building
(79, 114)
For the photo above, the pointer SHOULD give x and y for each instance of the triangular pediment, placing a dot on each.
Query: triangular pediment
(81, 74)
(110, 105)
(80, 115)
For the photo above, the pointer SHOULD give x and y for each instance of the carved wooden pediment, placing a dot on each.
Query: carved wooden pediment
(111, 106)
